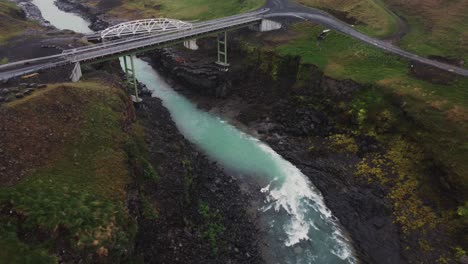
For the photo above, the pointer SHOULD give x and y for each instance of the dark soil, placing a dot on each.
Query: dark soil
(434, 75)
(344, 16)
(108, 4)
(431, 74)
(452, 61)
(36, 45)
(188, 180)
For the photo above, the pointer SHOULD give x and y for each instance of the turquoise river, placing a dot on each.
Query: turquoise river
(297, 225)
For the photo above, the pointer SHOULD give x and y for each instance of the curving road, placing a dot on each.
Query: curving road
(283, 8)
(272, 9)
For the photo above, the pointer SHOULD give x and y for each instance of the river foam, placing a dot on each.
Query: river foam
(296, 195)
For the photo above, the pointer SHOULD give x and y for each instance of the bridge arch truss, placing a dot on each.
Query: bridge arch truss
(145, 26)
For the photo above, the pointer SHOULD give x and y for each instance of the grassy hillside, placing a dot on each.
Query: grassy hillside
(369, 16)
(65, 175)
(12, 21)
(436, 27)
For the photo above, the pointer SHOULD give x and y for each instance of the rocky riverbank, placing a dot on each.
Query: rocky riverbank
(32, 12)
(95, 14)
(290, 106)
(202, 214)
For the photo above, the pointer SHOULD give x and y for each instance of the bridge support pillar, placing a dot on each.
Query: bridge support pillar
(76, 73)
(131, 77)
(222, 50)
(191, 44)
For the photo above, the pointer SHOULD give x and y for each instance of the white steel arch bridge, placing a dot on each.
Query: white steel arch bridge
(145, 26)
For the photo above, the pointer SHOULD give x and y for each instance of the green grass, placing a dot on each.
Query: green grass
(148, 210)
(342, 57)
(80, 197)
(186, 9)
(374, 17)
(435, 27)
(211, 228)
(84, 220)
(14, 251)
(452, 42)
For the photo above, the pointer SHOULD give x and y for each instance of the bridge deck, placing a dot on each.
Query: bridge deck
(119, 47)
(141, 43)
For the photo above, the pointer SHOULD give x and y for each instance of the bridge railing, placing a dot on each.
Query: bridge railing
(119, 42)
(126, 45)
(213, 21)
(178, 36)
(142, 26)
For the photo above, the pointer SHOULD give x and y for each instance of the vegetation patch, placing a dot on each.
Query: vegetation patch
(402, 170)
(71, 204)
(436, 27)
(136, 152)
(56, 216)
(371, 16)
(211, 226)
(343, 143)
(188, 180)
(149, 212)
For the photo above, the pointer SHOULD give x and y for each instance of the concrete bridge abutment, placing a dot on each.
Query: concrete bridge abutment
(76, 73)
(266, 25)
(191, 44)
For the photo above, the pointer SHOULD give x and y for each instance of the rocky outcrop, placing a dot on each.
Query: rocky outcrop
(206, 78)
(31, 12)
(97, 16)
(94, 16)
(24, 89)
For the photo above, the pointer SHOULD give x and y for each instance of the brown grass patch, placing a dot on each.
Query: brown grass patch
(368, 12)
(457, 114)
(34, 130)
(438, 104)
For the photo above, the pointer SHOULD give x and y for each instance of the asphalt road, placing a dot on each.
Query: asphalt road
(275, 9)
(283, 8)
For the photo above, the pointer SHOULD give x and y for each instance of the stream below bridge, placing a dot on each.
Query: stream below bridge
(297, 225)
